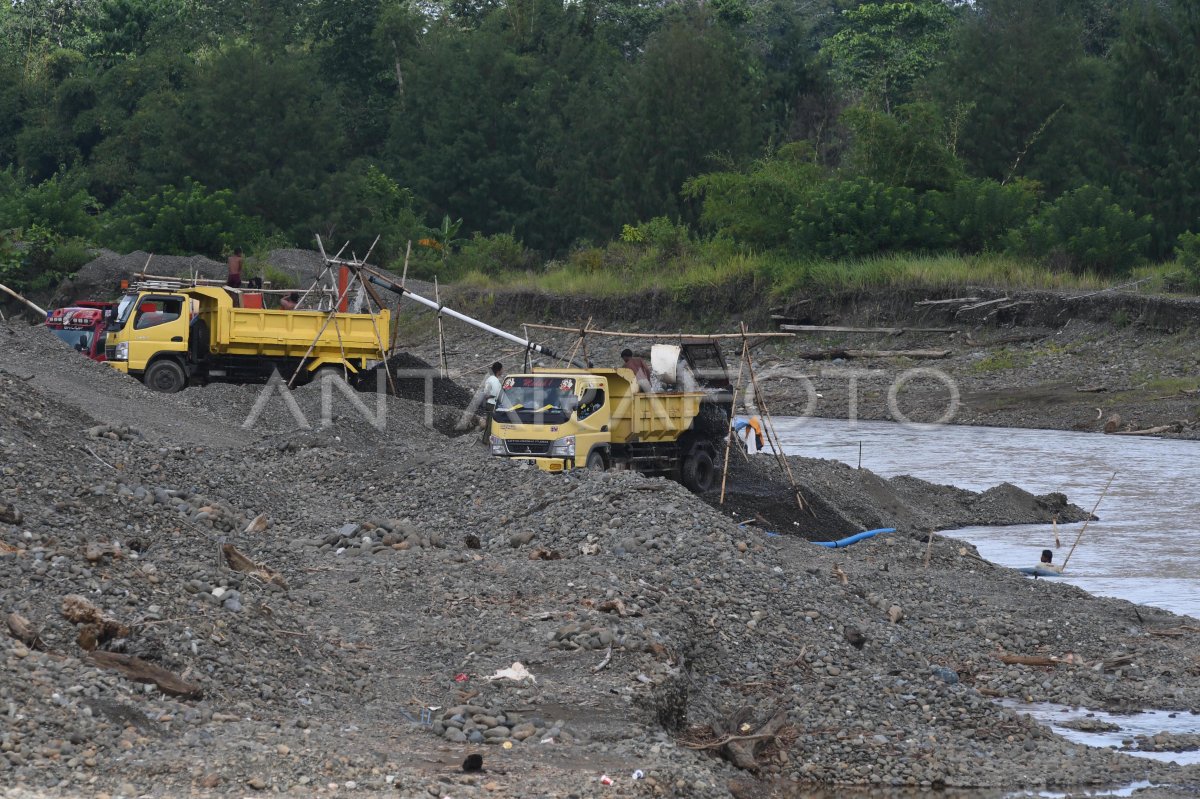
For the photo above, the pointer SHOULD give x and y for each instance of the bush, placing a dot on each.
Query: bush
(1187, 255)
(182, 221)
(492, 255)
(977, 215)
(1085, 230)
(40, 260)
(755, 208)
(669, 239)
(60, 204)
(856, 218)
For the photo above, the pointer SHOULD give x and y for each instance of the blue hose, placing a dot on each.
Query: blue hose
(854, 539)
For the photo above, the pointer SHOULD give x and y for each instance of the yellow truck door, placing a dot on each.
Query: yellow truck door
(593, 419)
(160, 324)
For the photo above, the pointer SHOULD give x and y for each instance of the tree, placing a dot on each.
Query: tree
(181, 221)
(909, 147)
(886, 48)
(1155, 91)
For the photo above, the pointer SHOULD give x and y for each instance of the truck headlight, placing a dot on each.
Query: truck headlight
(498, 445)
(122, 353)
(563, 447)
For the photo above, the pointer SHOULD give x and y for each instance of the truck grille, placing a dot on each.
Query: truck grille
(525, 447)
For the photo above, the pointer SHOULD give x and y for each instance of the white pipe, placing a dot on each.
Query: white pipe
(15, 295)
(392, 286)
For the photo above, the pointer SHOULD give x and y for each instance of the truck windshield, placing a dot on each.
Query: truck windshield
(124, 308)
(536, 400)
(81, 340)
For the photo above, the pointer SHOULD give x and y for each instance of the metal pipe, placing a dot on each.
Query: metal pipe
(391, 285)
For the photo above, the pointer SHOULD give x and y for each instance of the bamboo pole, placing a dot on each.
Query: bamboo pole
(772, 437)
(732, 411)
(17, 296)
(1086, 523)
(396, 319)
(685, 336)
(437, 297)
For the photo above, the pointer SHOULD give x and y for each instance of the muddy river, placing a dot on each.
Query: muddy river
(1143, 548)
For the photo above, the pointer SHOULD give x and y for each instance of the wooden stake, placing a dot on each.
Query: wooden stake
(17, 296)
(1086, 523)
(737, 387)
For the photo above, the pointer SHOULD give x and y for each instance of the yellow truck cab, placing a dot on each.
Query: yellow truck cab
(170, 337)
(562, 419)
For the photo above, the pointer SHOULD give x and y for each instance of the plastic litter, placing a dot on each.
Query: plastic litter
(516, 672)
(605, 779)
(461, 677)
(639, 774)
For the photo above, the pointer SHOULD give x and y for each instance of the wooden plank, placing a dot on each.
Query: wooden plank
(139, 670)
(890, 330)
(983, 304)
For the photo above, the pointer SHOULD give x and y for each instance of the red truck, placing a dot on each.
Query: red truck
(81, 326)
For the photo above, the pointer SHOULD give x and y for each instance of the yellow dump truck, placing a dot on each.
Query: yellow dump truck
(170, 337)
(561, 419)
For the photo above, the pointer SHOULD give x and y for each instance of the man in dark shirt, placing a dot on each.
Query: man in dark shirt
(640, 370)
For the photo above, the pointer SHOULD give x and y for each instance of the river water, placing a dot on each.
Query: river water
(1146, 545)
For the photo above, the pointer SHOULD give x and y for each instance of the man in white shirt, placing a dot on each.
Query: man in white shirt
(491, 393)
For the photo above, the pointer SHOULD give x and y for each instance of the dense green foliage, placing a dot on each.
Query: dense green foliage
(603, 135)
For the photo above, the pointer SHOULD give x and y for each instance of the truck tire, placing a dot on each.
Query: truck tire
(166, 376)
(595, 461)
(698, 472)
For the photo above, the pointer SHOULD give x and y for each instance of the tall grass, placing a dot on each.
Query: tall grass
(779, 276)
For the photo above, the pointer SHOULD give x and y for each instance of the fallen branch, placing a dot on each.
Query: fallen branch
(1032, 660)
(1173, 427)
(984, 304)
(950, 301)
(607, 658)
(139, 670)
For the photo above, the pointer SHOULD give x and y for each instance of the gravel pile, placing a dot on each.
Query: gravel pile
(337, 600)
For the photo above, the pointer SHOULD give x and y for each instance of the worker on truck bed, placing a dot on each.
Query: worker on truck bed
(640, 370)
(235, 269)
(290, 302)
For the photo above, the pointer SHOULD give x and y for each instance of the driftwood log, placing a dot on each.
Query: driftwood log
(20, 628)
(894, 331)
(138, 670)
(240, 563)
(739, 739)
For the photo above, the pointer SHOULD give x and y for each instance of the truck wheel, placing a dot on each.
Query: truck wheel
(165, 376)
(698, 471)
(595, 461)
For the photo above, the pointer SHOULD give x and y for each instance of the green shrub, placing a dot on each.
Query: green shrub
(754, 208)
(1187, 255)
(1085, 230)
(60, 204)
(492, 255)
(40, 260)
(860, 217)
(978, 214)
(668, 238)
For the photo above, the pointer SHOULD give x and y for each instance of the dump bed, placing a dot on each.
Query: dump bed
(282, 334)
